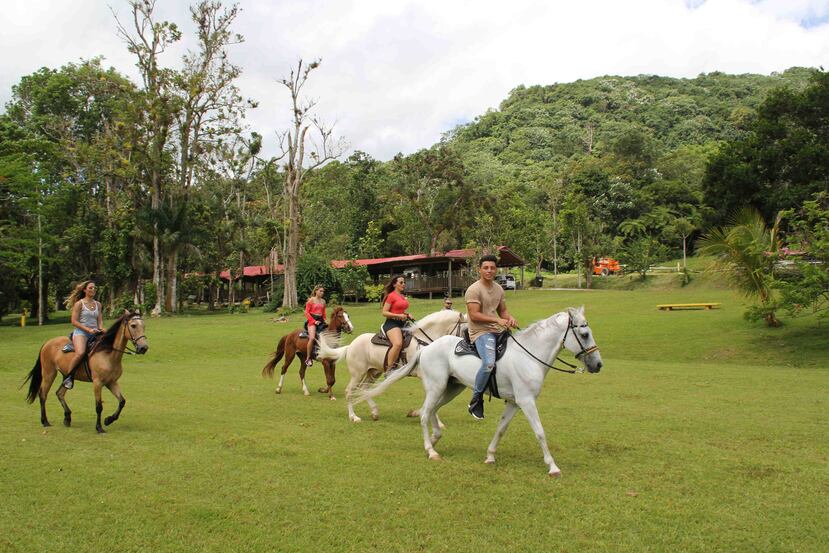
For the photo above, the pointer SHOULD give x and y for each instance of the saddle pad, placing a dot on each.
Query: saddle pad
(465, 347)
(70, 347)
(380, 340)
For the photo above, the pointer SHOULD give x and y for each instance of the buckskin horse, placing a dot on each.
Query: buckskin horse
(367, 360)
(103, 362)
(519, 375)
(296, 343)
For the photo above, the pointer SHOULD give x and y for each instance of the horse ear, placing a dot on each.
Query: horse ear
(126, 312)
(580, 311)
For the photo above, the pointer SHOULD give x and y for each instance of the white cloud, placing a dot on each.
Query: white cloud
(395, 75)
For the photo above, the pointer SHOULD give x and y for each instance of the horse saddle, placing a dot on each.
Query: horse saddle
(70, 347)
(467, 347)
(380, 339)
(321, 327)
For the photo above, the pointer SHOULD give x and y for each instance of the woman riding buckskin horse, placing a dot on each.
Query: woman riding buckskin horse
(88, 321)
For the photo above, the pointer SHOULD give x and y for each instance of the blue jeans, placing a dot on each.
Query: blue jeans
(485, 345)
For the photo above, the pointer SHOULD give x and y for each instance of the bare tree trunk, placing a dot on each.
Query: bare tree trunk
(170, 304)
(295, 169)
(290, 294)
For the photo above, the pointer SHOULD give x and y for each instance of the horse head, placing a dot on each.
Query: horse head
(578, 338)
(340, 321)
(134, 328)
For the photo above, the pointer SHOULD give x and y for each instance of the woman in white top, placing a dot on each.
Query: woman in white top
(88, 321)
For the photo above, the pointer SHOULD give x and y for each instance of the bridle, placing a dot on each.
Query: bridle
(133, 339)
(584, 351)
(571, 326)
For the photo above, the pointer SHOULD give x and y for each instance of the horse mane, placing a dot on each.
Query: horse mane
(437, 315)
(535, 328)
(107, 341)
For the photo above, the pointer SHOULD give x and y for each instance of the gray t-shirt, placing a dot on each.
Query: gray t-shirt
(490, 297)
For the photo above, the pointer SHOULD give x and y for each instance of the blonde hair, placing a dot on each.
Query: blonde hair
(314, 291)
(77, 293)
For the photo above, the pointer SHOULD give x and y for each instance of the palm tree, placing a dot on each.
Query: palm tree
(745, 251)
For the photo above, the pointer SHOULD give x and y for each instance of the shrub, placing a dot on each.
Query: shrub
(373, 292)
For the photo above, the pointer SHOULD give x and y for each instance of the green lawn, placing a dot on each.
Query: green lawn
(703, 432)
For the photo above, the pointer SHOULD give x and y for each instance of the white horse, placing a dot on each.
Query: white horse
(365, 360)
(519, 375)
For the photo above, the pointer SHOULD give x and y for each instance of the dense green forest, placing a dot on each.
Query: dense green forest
(154, 187)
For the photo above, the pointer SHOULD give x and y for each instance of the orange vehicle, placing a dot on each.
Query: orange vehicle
(606, 266)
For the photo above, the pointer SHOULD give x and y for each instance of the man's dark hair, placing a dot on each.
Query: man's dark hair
(485, 258)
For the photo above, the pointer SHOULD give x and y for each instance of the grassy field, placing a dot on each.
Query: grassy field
(702, 433)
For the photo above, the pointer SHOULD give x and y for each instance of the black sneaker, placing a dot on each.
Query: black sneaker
(68, 382)
(476, 407)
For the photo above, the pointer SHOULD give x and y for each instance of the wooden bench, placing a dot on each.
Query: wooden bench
(672, 306)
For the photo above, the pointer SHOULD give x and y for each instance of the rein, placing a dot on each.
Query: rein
(573, 368)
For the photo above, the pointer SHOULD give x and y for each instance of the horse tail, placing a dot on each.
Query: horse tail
(362, 394)
(35, 379)
(267, 370)
(327, 351)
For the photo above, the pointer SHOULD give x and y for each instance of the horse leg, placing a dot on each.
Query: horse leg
(415, 414)
(451, 392)
(506, 417)
(427, 411)
(352, 416)
(99, 405)
(289, 357)
(116, 391)
(302, 368)
(67, 413)
(367, 381)
(527, 405)
(328, 367)
(43, 393)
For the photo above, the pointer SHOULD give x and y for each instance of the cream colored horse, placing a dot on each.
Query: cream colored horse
(104, 368)
(365, 360)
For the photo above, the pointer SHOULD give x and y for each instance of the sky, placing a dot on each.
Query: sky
(396, 75)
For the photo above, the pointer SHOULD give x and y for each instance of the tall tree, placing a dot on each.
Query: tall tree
(148, 39)
(323, 148)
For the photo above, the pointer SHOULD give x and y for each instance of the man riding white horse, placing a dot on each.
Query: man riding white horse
(488, 315)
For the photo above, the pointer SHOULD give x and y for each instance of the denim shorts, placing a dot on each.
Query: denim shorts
(79, 332)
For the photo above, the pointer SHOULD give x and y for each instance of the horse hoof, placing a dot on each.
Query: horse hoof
(67, 422)
(554, 474)
(489, 461)
(441, 426)
(435, 457)
(375, 416)
(278, 391)
(332, 398)
(413, 413)
(306, 394)
(356, 419)
(108, 421)
(101, 431)
(46, 424)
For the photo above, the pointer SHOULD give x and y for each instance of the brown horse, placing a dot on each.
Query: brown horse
(104, 367)
(296, 343)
